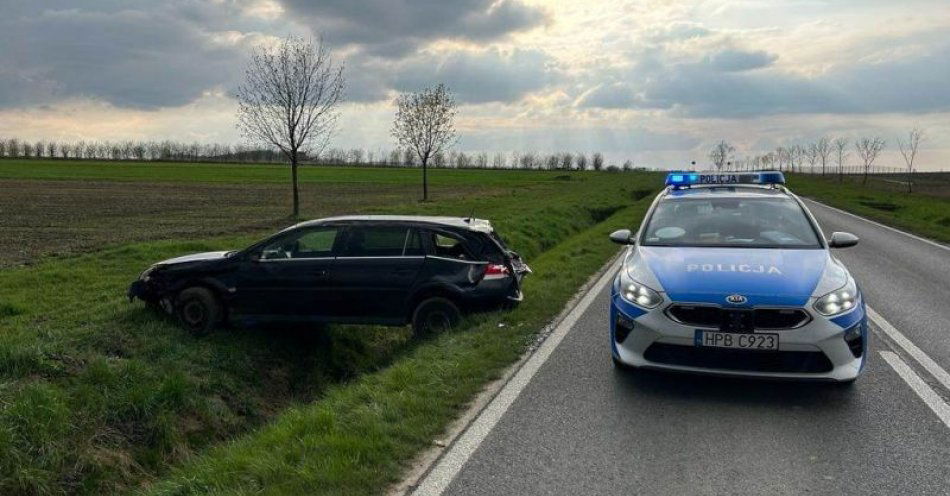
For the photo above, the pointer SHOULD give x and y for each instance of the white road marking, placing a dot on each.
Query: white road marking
(452, 461)
(878, 224)
(924, 391)
(910, 348)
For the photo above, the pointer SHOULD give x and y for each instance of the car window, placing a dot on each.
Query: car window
(310, 243)
(748, 222)
(448, 246)
(414, 246)
(376, 241)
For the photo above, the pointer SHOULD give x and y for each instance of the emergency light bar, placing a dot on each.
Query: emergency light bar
(679, 179)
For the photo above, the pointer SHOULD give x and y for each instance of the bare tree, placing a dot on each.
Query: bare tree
(597, 161)
(797, 155)
(499, 161)
(581, 161)
(289, 100)
(528, 160)
(783, 157)
(811, 154)
(720, 154)
(841, 153)
(823, 149)
(868, 149)
(566, 160)
(481, 160)
(425, 124)
(909, 152)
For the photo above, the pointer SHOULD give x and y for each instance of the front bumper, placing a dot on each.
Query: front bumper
(141, 290)
(815, 351)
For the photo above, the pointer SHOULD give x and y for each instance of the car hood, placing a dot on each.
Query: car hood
(764, 276)
(195, 257)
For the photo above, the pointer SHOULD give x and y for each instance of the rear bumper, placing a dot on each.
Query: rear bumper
(816, 351)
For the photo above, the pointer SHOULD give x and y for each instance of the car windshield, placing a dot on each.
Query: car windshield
(747, 222)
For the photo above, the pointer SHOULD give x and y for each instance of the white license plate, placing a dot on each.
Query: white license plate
(738, 341)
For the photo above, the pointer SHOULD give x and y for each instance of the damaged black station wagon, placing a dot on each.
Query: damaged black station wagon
(373, 269)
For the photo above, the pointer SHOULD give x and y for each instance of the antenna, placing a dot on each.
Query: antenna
(470, 217)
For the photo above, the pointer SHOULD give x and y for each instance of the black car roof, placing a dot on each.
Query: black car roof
(470, 224)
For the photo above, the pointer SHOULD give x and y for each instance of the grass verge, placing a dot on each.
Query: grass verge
(925, 215)
(202, 172)
(99, 396)
(360, 436)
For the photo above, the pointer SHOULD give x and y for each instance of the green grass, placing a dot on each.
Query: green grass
(63, 208)
(925, 215)
(359, 437)
(256, 173)
(100, 396)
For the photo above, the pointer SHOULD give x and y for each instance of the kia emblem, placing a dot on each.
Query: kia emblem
(736, 299)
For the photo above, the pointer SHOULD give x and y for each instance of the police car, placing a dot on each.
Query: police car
(730, 274)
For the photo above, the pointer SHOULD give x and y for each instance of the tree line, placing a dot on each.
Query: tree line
(174, 151)
(825, 155)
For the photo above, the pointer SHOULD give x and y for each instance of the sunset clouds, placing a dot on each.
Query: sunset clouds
(655, 81)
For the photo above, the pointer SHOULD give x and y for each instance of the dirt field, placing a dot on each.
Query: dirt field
(43, 218)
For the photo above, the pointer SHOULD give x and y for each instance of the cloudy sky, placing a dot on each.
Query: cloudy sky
(656, 81)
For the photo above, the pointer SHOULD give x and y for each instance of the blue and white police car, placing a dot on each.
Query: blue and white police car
(730, 274)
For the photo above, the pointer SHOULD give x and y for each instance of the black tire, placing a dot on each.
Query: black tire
(435, 315)
(198, 310)
(620, 365)
(154, 306)
(845, 385)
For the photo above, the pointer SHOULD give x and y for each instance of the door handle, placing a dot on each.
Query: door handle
(320, 273)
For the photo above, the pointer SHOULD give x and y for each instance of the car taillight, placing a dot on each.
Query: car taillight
(496, 271)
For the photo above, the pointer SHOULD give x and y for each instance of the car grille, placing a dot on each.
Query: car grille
(742, 360)
(764, 318)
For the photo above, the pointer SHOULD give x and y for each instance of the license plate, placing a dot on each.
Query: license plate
(744, 341)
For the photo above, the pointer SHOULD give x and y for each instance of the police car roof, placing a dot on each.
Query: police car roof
(730, 191)
(456, 222)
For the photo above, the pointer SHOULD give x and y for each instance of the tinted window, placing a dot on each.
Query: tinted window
(310, 243)
(449, 246)
(752, 222)
(414, 244)
(374, 241)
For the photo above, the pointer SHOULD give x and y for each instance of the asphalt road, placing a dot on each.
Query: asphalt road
(575, 425)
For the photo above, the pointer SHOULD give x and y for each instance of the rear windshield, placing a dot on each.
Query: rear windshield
(747, 222)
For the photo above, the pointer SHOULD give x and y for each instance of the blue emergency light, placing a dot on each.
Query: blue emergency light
(679, 179)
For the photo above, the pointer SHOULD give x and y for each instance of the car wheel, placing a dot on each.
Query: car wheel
(620, 365)
(845, 385)
(198, 310)
(435, 315)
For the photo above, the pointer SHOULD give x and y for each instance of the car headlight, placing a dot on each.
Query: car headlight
(147, 273)
(838, 301)
(639, 294)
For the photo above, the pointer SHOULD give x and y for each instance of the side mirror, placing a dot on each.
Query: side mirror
(622, 237)
(842, 240)
(254, 257)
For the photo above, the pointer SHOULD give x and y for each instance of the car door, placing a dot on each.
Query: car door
(375, 269)
(291, 277)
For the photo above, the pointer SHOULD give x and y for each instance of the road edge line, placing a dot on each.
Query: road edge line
(885, 226)
(423, 464)
(923, 390)
(910, 348)
(444, 469)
